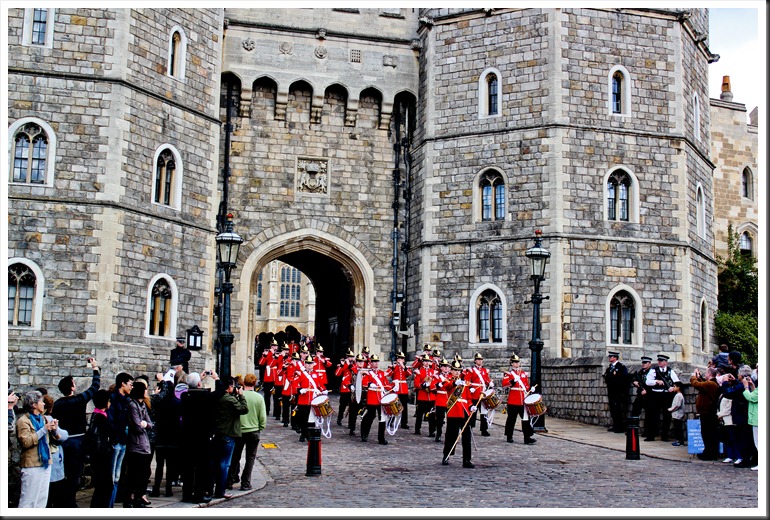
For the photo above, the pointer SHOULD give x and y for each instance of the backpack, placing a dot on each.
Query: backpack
(96, 442)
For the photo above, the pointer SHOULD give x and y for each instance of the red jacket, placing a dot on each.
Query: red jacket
(424, 375)
(442, 386)
(462, 407)
(267, 361)
(375, 377)
(310, 382)
(398, 375)
(517, 394)
(479, 380)
(348, 377)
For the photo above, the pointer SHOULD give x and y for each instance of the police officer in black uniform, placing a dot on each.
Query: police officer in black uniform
(616, 379)
(642, 392)
(180, 355)
(660, 381)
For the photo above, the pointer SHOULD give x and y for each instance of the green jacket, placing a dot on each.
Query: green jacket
(229, 411)
(753, 400)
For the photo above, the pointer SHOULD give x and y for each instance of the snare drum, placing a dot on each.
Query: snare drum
(391, 405)
(321, 406)
(534, 405)
(490, 401)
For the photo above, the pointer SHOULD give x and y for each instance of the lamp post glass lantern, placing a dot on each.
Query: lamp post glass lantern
(538, 258)
(228, 244)
(194, 338)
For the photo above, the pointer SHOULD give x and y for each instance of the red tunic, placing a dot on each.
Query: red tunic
(479, 380)
(312, 383)
(398, 375)
(422, 376)
(442, 386)
(348, 377)
(377, 378)
(517, 394)
(462, 407)
(267, 361)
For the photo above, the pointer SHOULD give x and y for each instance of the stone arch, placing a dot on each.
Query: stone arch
(265, 95)
(337, 246)
(335, 105)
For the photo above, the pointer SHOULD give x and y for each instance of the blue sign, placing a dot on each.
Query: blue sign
(694, 439)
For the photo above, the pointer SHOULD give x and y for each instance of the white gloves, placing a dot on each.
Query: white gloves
(473, 390)
(474, 408)
(325, 392)
(303, 390)
(372, 386)
(460, 382)
(491, 384)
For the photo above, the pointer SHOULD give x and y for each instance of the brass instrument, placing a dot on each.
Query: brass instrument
(456, 393)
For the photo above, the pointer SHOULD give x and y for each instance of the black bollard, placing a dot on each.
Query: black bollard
(313, 452)
(632, 438)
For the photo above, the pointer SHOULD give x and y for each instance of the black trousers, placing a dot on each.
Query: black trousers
(514, 412)
(197, 470)
(372, 411)
(639, 405)
(709, 430)
(453, 427)
(277, 402)
(617, 401)
(404, 398)
(423, 407)
(301, 418)
(440, 418)
(286, 409)
(168, 456)
(345, 402)
(353, 414)
(659, 404)
(267, 388)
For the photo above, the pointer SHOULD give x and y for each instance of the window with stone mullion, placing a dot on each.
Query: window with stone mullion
(484, 322)
(21, 158)
(21, 295)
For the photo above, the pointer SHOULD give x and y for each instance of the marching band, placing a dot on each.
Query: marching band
(446, 394)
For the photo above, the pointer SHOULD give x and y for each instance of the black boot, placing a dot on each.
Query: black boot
(468, 464)
(509, 438)
(381, 434)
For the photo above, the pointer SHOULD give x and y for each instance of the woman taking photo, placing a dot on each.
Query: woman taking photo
(138, 454)
(34, 432)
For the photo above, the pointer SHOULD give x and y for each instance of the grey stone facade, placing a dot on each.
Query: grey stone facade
(335, 87)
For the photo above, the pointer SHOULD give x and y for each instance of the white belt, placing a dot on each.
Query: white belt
(441, 392)
(399, 381)
(462, 400)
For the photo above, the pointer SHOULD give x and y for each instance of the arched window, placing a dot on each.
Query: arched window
(160, 309)
(290, 292)
(492, 191)
(704, 330)
(490, 318)
(164, 177)
(622, 316)
(492, 95)
(21, 295)
(30, 155)
(618, 193)
(746, 244)
(696, 116)
(619, 91)
(700, 212)
(747, 184)
(177, 49)
(259, 294)
(489, 93)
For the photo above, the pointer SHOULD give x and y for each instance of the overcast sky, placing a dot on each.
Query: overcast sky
(736, 35)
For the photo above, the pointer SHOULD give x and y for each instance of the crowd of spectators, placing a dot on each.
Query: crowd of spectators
(53, 444)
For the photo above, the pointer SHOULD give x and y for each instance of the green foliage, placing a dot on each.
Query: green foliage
(736, 321)
(739, 331)
(738, 280)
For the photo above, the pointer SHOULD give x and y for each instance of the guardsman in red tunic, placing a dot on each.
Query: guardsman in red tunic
(457, 416)
(518, 380)
(280, 377)
(356, 408)
(309, 386)
(289, 390)
(377, 385)
(398, 375)
(268, 374)
(423, 379)
(322, 363)
(417, 363)
(478, 377)
(345, 373)
(366, 355)
(441, 387)
(437, 357)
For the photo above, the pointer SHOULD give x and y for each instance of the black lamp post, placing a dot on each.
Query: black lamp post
(538, 257)
(228, 244)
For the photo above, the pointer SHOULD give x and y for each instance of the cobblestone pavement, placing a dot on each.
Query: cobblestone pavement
(572, 466)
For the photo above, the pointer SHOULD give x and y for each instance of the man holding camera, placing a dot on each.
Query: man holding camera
(230, 407)
(70, 410)
(706, 408)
